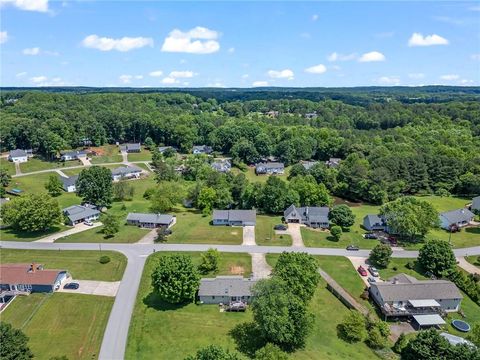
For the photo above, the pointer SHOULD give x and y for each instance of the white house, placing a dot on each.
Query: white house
(269, 168)
(69, 183)
(225, 289)
(126, 172)
(18, 156)
(73, 155)
(458, 217)
(79, 213)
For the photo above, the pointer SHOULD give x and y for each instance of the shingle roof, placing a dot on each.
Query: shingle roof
(373, 219)
(78, 212)
(133, 146)
(309, 164)
(226, 286)
(408, 288)
(21, 274)
(125, 170)
(17, 153)
(309, 213)
(202, 148)
(69, 181)
(270, 165)
(162, 219)
(74, 153)
(476, 203)
(458, 215)
(235, 215)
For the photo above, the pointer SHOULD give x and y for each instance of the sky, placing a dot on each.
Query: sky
(239, 44)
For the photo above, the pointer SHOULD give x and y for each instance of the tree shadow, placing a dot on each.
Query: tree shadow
(473, 230)
(154, 301)
(332, 239)
(247, 338)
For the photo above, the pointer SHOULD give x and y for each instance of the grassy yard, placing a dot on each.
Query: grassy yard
(81, 264)
(320, 238)
(111, 154)
(126, 234)
(265, 235)
(475, 260)
(193, 227)
(144, 155)
(7, 165)
(61, 324)
(445, 203)
(163, 331)
(252, 177)
(16, 235)
(37, 164)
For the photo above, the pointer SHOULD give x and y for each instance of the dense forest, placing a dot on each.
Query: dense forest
(392, 142)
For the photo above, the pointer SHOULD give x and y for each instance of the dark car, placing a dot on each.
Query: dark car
(370, 236)
(280, 227)
(353, 248)
(71, 286)
(392, 240)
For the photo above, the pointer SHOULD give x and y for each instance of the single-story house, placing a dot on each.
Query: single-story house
(476, 203)
(222, 165)
(202, 149)
(270, 168)
(69, 183)
(19, 155)
(333, 162)
(308, 164)
(79, 213)
(312, 115)
(458, 217)
(316, 217)
(234, 217)
(372, 222)
(404, 295)
(30, 278)
(131, 148)
(225, 290)
(150, 221)
(126, 172)
(162, 149)
(73, 155)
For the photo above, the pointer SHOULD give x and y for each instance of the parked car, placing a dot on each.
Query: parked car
(371, 279)
(88, 223)
(370, 236)
(280, 227)
(71, 286)
(392, 240)
(361, 270)
(353, 248)
(373, 270)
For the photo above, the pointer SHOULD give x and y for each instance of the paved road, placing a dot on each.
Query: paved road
(115, 337)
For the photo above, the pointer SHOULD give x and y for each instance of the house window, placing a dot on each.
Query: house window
(213, 297)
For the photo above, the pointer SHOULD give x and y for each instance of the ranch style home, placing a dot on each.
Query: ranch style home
(423, 300)
(77, 214)
(19, 155)
(269, 168)
(73, 155)
(131, 148)
(69, 183)
(234, 217)
(315, 217)
(458, 218)
(30, 278)
(225, 290)
(202, 149)
(126, 172)
(150, 221)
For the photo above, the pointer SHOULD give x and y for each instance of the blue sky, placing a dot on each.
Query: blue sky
(238, 44)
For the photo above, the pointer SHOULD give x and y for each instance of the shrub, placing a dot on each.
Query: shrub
(104, 259)
(410, 265)
(352, 329)
(380, 255)
(401, 342)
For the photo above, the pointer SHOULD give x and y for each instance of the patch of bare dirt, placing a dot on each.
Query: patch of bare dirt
(237, 270)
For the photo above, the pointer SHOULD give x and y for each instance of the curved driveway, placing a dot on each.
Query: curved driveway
(116, 334)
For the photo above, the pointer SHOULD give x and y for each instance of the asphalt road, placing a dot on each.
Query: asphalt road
(116, 334)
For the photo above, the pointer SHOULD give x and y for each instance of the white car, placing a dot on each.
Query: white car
(88, 223)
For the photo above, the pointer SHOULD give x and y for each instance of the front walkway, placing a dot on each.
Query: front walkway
(90, 287)
(18, 170)
(465, 265)
(125, 158)
(248, 235)
(74, 230)
(260, 267)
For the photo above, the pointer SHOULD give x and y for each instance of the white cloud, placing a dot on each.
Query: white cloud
(341, 57)
(245, 76)
(38, 79)
(156, 73)
(181, 74)
(416, 75)
(216, 85)
(417, 39)
(259, 83)
(389, 80)
(316, 69)
(475, 56)
(281, 74)
(3, 37)
(127, 79)
(231, 50)
(315, 17)
(198, 40)
(450, 77)
(466, 82)
(28, 5)
(21, 74)
(169, 80)
(138, 77)
(372, 56)
(123, 44)
(31, 51)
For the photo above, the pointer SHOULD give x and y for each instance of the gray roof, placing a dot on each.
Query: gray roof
(458, 215)
(270, 165)
(476, 203)
(373, 219)
(308, 164)
(226, 286)
(17, 153)
(222, 165)
(403, 287)
(202, 148)
(125, 170)
(69, 181)
(163, 148)
(133, 146)
(162, 219)
(309, 213)
(74, 153)
(79, 212)
(235, 215)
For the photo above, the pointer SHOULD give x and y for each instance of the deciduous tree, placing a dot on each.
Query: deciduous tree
(54, 186)
(380, 255)
(14, 343)
(342, 215)
(94, 185)
(437, 257)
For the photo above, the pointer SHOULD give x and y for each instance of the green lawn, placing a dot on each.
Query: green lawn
(111, 154)
(81, 264)
(475, 260)
(265, 235)
(193, 227)
(252, 177)
(126, 234)
(61, 324)
(17, 235)
(7, 165)
(142, 166)
(321, 238)
(445, 203)
(37, 164)
(144, 155)
(169, 332)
